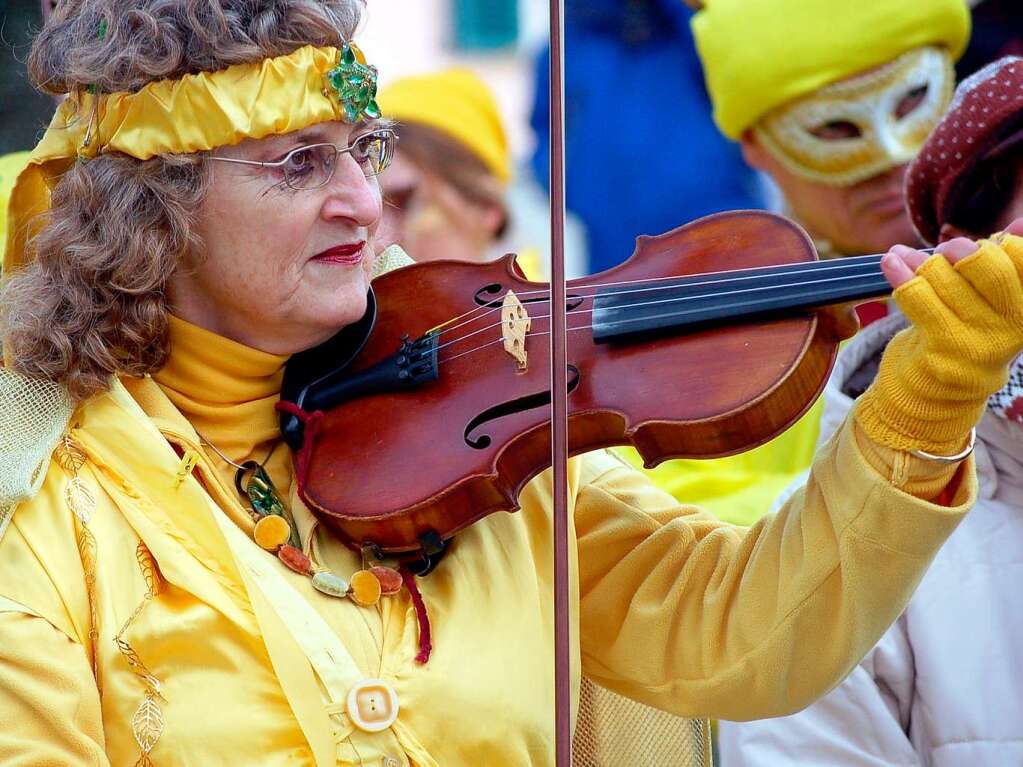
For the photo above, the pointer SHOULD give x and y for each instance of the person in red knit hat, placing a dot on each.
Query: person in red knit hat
(922, 695)
(967, 179)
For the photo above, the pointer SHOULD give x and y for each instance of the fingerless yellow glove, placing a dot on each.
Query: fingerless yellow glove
(935, 377)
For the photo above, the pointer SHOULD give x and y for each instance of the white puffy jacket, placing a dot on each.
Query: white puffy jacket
(944, 686)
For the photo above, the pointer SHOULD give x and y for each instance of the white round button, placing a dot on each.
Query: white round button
(372, 705)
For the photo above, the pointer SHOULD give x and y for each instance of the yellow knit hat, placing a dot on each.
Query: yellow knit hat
(760, 54)
(457, 103)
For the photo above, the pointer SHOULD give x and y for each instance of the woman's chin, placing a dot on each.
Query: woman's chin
(343, 308)
(320, 313)
(320, 332)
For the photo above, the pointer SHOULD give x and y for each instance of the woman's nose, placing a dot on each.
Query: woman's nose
(352, 195)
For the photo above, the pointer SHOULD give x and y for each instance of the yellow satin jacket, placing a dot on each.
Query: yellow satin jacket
(134, 615)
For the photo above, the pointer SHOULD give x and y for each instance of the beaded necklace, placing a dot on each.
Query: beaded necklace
(276, 532)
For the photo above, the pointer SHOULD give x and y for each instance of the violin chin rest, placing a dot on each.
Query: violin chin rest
(309, 367)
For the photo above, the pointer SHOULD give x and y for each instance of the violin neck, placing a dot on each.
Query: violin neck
(689, 303)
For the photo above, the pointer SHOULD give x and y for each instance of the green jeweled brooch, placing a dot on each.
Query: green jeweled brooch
(255, 483)
(354, 83)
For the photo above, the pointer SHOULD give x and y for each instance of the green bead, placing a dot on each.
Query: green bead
(267, 502)
(263, 494)
(330, 584)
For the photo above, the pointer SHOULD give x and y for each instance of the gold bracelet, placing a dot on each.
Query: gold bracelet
(963, 455)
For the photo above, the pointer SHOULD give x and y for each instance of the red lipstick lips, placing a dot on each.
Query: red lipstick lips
(342, 254)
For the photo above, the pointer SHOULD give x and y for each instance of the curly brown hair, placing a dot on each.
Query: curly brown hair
(92, 303)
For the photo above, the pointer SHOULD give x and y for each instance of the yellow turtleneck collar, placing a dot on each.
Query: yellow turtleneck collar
(227, 391)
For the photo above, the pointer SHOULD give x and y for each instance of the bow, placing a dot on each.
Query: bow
(559, 396)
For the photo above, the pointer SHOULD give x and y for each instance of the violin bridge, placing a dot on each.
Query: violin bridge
(515, 324)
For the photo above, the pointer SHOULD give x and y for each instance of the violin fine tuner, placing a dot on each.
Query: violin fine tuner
(412, 365)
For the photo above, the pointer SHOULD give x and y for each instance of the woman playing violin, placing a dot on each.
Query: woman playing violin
(209, 202)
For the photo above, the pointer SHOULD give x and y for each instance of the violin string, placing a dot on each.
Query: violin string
(848, 260)
(843, 264)
(543, 296)
(674, 313)
(536, 333)
(500, 340)
(642, 304)
(590, 326)
(646, 290)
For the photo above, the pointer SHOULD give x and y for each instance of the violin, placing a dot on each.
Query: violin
(433, 411)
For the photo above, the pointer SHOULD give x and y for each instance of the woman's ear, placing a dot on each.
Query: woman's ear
(754, 153)
(494, 220)
(951, 231)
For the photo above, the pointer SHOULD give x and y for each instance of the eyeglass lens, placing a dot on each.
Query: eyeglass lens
(313, 166)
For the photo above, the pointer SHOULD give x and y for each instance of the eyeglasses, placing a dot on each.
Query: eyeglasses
(313, 166)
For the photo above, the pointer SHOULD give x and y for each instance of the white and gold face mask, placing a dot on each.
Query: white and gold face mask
(862, 126)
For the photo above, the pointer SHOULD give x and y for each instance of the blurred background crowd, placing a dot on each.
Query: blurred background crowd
(634, 86)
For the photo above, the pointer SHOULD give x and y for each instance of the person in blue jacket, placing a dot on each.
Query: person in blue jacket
(642, 152)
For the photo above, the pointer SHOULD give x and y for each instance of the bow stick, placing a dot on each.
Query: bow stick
(559, 397)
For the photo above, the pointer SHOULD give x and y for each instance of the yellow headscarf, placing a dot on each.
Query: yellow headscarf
(457, 103)
(192, 114)
(760, 54)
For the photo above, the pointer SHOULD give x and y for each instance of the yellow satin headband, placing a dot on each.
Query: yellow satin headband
(193, 114)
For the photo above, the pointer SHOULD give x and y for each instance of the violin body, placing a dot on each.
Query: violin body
(394, 467)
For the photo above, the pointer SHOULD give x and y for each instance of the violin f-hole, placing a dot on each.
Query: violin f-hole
(518, 405)
(492, 294)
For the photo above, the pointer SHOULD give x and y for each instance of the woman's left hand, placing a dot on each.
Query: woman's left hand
(966, 306)
(901, 262)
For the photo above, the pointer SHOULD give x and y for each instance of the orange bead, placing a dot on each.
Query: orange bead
(271, 532)
(365, 588)
(295, 560)
(390, 580)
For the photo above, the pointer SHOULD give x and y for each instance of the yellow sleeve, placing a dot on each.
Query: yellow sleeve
(40, 561)
(682, 611)
(48, 694)
(51, 708)
(740, 488)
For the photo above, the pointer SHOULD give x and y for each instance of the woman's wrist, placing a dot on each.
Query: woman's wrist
(919, 477)
(912, 406)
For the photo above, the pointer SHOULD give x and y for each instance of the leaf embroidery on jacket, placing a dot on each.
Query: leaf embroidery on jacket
(147, 726)
(147, 722)
(80, 500)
